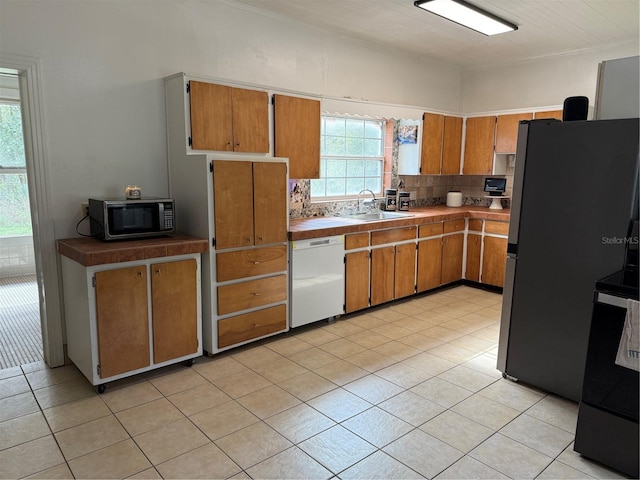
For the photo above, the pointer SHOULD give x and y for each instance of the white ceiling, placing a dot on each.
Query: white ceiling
(546, 27)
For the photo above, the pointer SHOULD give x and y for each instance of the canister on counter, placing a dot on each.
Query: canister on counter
(403, 201)
(390, 199)
(454, 199)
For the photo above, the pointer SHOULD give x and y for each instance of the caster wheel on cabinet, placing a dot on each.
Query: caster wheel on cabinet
(189, 362)
(102, 388)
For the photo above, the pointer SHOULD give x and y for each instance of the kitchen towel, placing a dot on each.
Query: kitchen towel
(629, 349)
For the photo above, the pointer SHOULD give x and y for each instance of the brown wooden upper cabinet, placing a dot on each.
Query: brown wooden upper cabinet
(297, 134)
(557, 114)
(478, 145)
(228, 119)
(441, 144)
(452, 145)
(507, 131)
(250, 203)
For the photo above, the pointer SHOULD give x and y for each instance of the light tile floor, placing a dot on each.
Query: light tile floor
(408, 390)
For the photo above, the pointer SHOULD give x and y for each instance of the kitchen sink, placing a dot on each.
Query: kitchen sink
(374, 216)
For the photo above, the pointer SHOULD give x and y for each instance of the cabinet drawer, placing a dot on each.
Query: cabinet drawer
(430, 229)
(254, 293)
(380, 237)
(250, 263)
(501, 228)
(454, 226)
(475, 224)
(357, 240)
(251, 325)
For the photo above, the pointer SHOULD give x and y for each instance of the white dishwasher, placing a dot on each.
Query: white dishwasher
(317, 279)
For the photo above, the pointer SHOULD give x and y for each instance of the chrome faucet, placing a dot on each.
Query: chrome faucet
(372, 203)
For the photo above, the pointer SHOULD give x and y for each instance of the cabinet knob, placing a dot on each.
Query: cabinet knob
(260, 238)
(255, 294)
(238, 144)
(256, 263)
(255, 325)
(158, 272)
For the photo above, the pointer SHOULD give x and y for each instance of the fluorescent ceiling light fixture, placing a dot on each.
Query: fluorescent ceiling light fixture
(467, 15)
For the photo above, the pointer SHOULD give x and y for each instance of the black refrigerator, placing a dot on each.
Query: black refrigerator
(574, 191)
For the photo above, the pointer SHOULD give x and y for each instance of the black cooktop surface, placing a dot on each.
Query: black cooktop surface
(623, 283)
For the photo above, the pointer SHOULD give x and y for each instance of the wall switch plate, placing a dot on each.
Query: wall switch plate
(84, 206)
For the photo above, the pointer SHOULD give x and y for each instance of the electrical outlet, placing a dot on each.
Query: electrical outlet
(412, 195)
(84, 208)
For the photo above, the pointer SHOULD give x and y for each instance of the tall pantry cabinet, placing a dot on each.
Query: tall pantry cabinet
(239, 201)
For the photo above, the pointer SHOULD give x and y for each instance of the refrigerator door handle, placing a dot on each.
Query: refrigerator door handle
(505, 320)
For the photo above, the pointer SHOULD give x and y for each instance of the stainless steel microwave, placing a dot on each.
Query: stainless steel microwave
(119, 219)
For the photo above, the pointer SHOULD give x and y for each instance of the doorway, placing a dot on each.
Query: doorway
(20, 326)
(40, 205)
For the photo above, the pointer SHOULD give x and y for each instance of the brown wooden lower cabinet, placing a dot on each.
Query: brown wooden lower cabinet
(256, 324)
(356, 281)
(452, 252)
(174, 300)
(405, 270)
(429, 272)
(122, 318)
(474, 246)
(382, 275)
(494, 260)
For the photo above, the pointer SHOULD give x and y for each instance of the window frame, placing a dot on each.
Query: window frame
(381, 159)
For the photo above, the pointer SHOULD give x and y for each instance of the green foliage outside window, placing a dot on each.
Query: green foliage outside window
(15, 218)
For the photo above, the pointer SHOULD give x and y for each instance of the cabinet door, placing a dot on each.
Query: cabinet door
(250, 120)
(356, 281)
(432, 131)
(211, 117)
(429, 264)
(233, 203)
(478, 146)
(452, 247)
(174, 304)
(474, 245)
(494, 261)
(382, 275)
(507, 131)
(297, 134)
(557, 114)
(405, 270)
(452, 146)
(270, 202)
(123, 320)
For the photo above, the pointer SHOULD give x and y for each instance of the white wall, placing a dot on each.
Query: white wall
(103, 65)
(537, 83)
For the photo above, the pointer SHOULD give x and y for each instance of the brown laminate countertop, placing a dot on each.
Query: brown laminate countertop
(90, 251)
(314, 227)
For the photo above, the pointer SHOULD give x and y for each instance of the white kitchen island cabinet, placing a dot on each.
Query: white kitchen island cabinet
(127, 317)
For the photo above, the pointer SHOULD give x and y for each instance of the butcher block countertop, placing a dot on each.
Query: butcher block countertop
(90, 251)
(314, 227)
